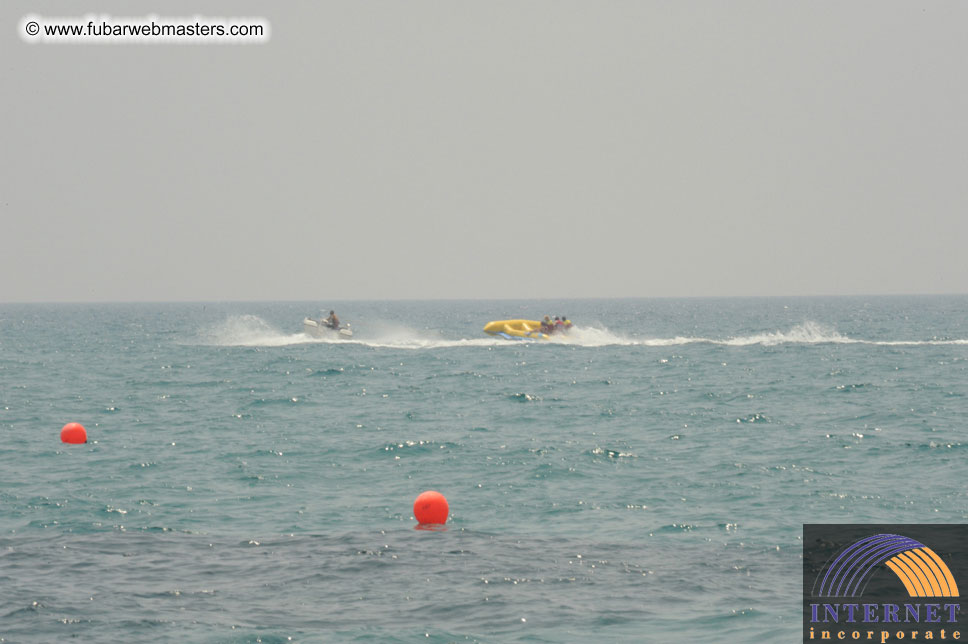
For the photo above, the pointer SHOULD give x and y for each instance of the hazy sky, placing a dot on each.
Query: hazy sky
(415, 149)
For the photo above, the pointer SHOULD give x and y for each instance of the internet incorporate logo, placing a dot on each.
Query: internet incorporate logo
(909, 591)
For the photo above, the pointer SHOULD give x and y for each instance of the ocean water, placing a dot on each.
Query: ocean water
(643, 480)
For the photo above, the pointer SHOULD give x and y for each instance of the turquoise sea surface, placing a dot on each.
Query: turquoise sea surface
(644, 479)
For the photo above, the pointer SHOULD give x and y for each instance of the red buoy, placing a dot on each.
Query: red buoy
(73, 433)
(431, 507)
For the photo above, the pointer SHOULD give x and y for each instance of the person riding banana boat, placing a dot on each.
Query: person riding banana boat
(534, 329)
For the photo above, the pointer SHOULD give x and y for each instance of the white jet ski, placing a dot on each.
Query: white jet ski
(319, 329)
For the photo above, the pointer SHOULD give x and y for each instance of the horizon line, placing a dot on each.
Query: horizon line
(485, 299)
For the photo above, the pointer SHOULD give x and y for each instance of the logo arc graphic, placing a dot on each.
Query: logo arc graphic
(920, 569)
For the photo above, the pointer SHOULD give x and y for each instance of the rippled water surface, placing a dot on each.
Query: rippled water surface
(644, 479)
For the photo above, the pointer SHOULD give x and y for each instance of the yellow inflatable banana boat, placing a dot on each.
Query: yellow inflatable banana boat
(515, 329)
